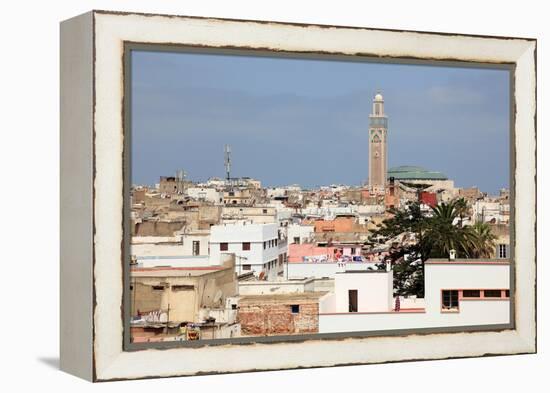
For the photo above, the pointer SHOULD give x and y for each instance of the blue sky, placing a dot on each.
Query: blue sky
(306, 121)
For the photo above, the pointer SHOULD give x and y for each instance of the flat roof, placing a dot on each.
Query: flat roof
(467, 261)
(282, 298)
(164, 271)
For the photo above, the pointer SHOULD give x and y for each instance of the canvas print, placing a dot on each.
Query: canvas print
(283, 196)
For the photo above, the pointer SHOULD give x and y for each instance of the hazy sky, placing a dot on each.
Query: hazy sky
(306, 121)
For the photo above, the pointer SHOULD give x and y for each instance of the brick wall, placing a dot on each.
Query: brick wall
(265, 318)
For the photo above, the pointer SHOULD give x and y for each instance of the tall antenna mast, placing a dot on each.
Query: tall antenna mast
(227, 150)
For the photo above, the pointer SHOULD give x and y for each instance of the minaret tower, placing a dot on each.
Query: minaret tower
(378, 152)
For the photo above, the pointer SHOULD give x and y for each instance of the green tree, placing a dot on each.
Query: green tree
(404, 232)
(414, 236)
(445, 233)
(485, 241)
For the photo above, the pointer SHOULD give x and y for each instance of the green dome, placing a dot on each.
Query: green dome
(407, 172)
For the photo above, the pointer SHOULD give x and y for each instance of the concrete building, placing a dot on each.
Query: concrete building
(195, 242)
(321, 269)
(462, 292)
(299, 234)
(259, 248)
(254, 214)
(378, 149)
(492, 211)
(205, 194)
(238, 196)
(164, 298)
(311, 252)
(173, 184)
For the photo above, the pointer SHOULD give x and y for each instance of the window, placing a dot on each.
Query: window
(224, 247)
(276, 241)
(265, 245)
(352, 300)
(246, 246)
(247, 267)
(295, 308)
(196, 247)
(492, 293)
(502, 251)
(471, 293)
(450, 300)
(177, 288)
(233, 306)
(264, 211)
(296, 240)
(353, 251)
(158, 287)
(507, 293)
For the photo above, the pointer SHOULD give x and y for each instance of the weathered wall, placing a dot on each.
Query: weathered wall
(156, 228)
(273, 318)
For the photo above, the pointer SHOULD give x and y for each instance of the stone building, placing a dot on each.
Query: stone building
(173, 184)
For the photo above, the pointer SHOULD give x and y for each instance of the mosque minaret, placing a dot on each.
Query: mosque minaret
(378, 148)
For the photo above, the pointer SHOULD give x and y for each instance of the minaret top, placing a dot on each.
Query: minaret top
(378, 105)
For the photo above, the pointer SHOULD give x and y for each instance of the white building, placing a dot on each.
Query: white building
(492, 211)
(300, 234)
(258, 247)
(207, 194)
(301, 270)
(347, 297)
(467, 292)
(195, 242)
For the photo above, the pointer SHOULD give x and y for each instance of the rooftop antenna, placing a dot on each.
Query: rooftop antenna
(181, 175)
(227, 151)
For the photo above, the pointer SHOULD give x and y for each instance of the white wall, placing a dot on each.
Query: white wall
(159, 250)
(374, 291)
(187, 243)
(304, 232)
(438, 277)
(175, 261)
(462, 276)
(271, 288)
(300, 270)
(472, 313)
(205, 193)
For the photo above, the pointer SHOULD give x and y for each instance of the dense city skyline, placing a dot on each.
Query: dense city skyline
(306, 121)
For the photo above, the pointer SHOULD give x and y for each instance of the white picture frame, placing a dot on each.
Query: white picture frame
(92, 176)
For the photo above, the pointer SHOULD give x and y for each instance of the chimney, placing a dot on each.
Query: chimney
(452, 255)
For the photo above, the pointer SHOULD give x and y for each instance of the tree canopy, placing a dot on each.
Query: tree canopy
(415, 235)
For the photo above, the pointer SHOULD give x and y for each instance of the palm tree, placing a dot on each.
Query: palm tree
(462, 209)
(443, 235)
(485, 244)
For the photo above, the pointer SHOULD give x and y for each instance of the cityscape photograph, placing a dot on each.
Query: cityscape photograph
(279, 196)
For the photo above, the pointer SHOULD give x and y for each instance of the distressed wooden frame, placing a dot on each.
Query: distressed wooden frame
(92, 174)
